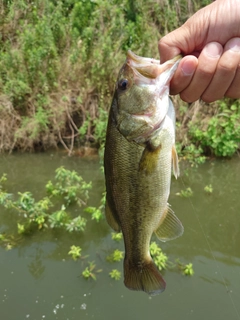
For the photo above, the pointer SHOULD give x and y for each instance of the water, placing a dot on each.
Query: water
(40, 281)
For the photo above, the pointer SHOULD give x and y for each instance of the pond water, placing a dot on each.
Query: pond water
(39, 280)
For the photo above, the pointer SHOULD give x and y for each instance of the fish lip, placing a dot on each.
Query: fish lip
(148, 67)
(138, 60)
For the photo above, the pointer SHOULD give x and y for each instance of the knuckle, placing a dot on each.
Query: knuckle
(233, 93)
(228, 65)
(185, 96)
(208, 98)
(205, 72)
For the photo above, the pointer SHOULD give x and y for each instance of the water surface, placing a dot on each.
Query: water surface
(40, 281)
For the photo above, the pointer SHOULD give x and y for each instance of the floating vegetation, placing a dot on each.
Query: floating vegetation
(69, 188)
(185, 193)
(115, 274)
(117, 236)
(158, 256)
(162, 261)
(208, 189)
(116, 256)
(88, 272)
(75, 252)
(188, 269)
(51, 213)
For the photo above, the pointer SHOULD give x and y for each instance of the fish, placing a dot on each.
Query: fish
(139, 158)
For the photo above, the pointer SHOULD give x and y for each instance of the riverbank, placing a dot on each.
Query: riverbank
(59, 61)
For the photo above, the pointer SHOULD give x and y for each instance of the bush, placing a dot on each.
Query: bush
(59, 61)
(222, 134)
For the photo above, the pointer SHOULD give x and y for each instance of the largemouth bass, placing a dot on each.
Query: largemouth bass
(139, 154)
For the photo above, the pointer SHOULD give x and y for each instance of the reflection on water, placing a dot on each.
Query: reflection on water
(40, 281)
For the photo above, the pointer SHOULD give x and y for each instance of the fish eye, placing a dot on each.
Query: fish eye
(122, 84)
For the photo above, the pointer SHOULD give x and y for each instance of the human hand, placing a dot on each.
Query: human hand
(210, 43)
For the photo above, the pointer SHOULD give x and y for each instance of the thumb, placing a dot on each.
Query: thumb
(192, 35)
(174, 43)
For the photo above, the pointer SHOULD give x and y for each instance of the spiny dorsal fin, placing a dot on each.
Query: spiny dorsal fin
(176, 170)
(170, 226)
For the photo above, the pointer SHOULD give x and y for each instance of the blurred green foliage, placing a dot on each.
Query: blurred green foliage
(221, 135)
(59, 61)
(58, 65)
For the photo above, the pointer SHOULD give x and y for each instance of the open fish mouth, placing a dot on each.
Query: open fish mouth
(152, 86)
(148, 67)
(148, 71)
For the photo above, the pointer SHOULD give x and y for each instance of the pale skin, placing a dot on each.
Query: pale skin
(210, 44)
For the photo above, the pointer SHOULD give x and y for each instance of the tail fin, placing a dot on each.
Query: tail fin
(145, 277)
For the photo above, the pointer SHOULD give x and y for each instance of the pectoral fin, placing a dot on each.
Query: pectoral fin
(176, 170)
(111, 219)
(149, 159)
(170, 227)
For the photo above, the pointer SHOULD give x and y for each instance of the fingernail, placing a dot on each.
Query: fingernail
(234, 44)
(213, 49)
(187, 68)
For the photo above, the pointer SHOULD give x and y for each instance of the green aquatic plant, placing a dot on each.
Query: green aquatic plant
(69, 188)
(158, 256)
(2, 180)
(187, 269)
(76, 224)
(117, 236)
(59, 218)
(154, 249)
(88, 271)
(116, 256)
(162, 261)
(33, 216)
(115, 274)
(96, 213)
(185, 193)
(75, 252)
(208, 189)
(21, 228)
(8, 241)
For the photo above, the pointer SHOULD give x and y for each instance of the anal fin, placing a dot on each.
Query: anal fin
(170, 227)
(112, 221)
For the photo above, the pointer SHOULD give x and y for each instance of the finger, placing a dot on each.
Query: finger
(189, 37)
(168, 47)
(183, 74)
(225, 72)
(207, 64)
(234, 89)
